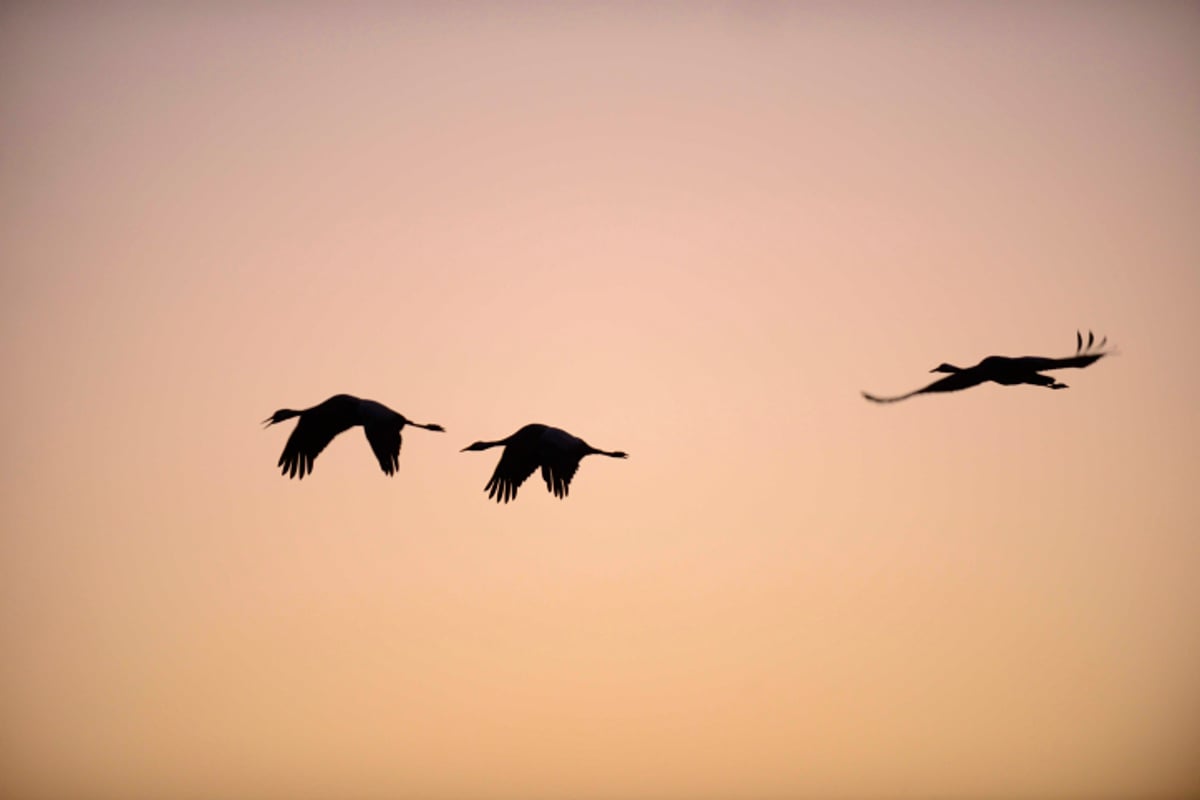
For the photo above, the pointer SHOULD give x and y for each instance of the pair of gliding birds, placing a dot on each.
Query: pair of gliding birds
(558, 453)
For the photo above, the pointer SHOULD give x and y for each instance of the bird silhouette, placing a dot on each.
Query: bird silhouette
(319, 424)
(557, 452)
(1008, 371)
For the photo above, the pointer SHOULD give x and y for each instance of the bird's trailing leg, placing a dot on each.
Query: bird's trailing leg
(1038, 379)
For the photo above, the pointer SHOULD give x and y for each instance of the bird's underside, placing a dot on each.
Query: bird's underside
(514, 468)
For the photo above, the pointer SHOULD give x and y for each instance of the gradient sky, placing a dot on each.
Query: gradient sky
(692, 232)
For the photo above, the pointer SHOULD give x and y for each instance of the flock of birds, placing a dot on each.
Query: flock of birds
(558, 453)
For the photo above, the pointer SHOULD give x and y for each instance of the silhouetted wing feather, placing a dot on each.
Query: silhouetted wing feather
(315, 430)
(515, 466)
(1039, 364)
(385, 443)
(558, 475)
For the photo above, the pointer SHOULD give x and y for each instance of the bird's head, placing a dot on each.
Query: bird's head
(282, 415)
(943, 367)
(477, 446)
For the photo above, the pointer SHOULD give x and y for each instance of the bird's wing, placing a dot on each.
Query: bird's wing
(313, 433)
(385, 443)
(1038, 363)
(515, 465)
(558, 474)
(963, 379)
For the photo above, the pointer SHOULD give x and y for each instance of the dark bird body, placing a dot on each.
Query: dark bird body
(321, 423)
(1007, 371)
(557, 452)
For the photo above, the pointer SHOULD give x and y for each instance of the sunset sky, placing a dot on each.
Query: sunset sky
(693, 232)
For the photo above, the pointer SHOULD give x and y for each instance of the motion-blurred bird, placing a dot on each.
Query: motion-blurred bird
(319, 424)
(557, 452)
(1008, 371)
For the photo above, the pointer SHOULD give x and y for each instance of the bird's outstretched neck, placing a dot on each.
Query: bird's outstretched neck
(609, 453)
(282, 415)
(483, 445)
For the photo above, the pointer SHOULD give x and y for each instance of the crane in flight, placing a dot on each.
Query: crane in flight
(1008, 371)
(557, 452)
(321, 423)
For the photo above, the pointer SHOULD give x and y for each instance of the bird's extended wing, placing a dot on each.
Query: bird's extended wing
(1084, 356)
(963, 379)
(516, 464)
(558, 475)
(385, 443)
(1038, 363)
(313, 433)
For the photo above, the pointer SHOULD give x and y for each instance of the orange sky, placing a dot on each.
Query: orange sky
(691, 232)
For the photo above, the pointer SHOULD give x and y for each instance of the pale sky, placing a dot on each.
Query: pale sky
(693, 232)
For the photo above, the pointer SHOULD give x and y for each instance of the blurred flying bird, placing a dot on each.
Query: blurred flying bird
(319, 424)
(1008, 371)
(557, 452)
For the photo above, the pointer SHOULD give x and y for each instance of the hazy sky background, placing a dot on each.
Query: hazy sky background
(692, 232)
